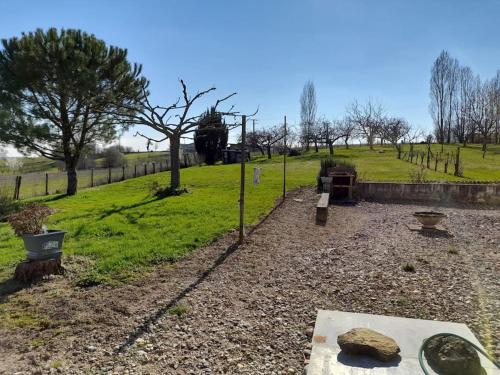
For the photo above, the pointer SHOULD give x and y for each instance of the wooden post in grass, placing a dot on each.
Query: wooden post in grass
(109, 175)
(154, 167)
(46, 184)
(135, 170)
(284, 159)
(17, 187)
(446, 162)
(123, 173)
(91, 177)
(145, 169)
(457, 163)
(436, 162)
(242, 178)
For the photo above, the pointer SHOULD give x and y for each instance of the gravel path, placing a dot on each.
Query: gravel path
(254, 312)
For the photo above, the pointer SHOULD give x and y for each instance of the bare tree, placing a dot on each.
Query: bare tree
(308, 109)
(395, 129)
(495, 98)
(443, 85)
(367, 119)
(265, 139)
(316, 135)
(331, 132)
(452, 73)
(174, 122)
(482, 110)
(348, 130)
(461, 105)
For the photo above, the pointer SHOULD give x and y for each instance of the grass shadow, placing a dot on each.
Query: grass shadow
(120, 209)
(9, 287)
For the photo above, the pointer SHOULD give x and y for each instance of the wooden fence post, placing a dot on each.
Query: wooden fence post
(145, 169)
(446, 163)
(18, 187)
(135, 170)
(109, 175)
(154, 167)
(46, 184)
(15, 188)
(284, 157)
(123, 173)
(160, 166)
(242, 179)
(457, 163)
(436, 163)
(91, 177)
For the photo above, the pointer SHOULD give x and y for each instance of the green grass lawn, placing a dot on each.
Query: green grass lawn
(119, 229)
(373, 165)
(116, 231)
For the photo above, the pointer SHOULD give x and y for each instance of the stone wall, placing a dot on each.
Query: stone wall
(445, 193)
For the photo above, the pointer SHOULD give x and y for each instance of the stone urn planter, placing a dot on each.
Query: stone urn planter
(429, 219)
(47, 245)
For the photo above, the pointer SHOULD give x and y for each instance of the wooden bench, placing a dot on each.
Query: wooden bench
(322, 208)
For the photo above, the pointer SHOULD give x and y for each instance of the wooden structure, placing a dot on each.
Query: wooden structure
(341, 185)
(322, 208)
(233, 156)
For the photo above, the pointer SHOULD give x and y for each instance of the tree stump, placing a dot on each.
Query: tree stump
(33, 270)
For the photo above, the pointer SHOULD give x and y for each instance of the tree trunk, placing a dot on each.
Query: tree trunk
(72, 179)
(316, 146)
(175, 174)
(330, 146)
(269, 155)
(346, 144)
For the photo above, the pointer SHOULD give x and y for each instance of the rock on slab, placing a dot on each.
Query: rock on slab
(364, 341)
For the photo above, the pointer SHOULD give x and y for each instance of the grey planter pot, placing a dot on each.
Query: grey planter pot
(44, 246)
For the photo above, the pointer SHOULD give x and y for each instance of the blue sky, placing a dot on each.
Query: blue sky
(266, 50)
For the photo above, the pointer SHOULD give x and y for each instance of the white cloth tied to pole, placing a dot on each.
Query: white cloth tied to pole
(256, 175)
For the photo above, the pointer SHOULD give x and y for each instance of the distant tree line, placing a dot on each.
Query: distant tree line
(464, 107)
(368, 121)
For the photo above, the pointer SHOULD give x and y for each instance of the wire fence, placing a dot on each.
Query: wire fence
(36, 184)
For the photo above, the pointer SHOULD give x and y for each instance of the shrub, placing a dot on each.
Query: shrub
(30, 220)
(331, 162)
(178, 310)
(160, 192)
(293, 152)
(418, 175)
(113, 157)
(409, 267)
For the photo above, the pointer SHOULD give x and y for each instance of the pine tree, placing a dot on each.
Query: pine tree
(62, 90)
(210, 138)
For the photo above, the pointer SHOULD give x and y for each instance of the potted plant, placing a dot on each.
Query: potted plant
(29, 224)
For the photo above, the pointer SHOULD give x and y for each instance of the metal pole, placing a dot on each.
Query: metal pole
(284, 165)
(242, 179)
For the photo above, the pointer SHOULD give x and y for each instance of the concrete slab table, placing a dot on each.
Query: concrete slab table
(327, 359)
